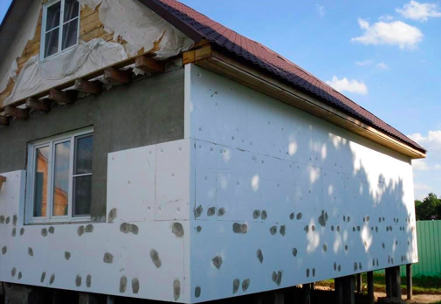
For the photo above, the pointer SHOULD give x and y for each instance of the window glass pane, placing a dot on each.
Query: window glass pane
(71, 10)
(82, 195)
(61, 179)
(53, 16)
(70, 34)
(40, 186)
(84, 151)
(51, 43)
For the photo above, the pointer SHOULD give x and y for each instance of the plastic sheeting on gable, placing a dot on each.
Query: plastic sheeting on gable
(37, 76)
(136, 24)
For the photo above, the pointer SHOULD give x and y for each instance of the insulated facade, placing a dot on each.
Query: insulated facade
(160, 179)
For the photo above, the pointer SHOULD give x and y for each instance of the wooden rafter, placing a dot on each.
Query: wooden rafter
(17, 113)
(40, 105)
(89, 87)
(62, 97)
(2, 180)
(117, 76)
(149, 65)
(4, 120)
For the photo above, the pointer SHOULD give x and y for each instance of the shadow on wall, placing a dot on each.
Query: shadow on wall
(284, 198)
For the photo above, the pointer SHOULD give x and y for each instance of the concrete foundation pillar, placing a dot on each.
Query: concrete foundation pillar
(19, 294)
(349, 290)
(396, 282)
(271, 297)
(370, 287)
(388, 282)
(409, 281)
(87, 298)
(338, 290)
(306, 293)
(359, 284)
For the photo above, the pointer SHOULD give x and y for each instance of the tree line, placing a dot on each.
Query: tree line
(429, 208)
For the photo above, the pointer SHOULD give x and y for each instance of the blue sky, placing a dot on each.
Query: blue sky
(385, 55)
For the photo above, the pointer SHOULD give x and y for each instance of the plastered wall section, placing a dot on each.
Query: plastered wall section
(146, 112)
(142, 251)
(281, 198)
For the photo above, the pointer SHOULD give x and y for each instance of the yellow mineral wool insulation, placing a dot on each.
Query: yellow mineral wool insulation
(38, 76)
(8, 65)
(140, 27)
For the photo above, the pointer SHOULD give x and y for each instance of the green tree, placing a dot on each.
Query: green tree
(429, 208)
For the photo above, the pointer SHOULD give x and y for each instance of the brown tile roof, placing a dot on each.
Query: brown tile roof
(198, 26)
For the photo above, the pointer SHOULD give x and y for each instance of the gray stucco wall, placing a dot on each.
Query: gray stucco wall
(146, 112)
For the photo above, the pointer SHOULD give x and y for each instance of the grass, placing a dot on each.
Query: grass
(421, 285)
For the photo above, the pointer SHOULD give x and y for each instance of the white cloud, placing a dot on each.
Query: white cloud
(419, 11)
(431, 142)
(386, 18)
(382, 65)
(422, 187)
(420, 165)
(346, 85)
(364, 63)
(320, 10)
(427, 171)
(389, 33)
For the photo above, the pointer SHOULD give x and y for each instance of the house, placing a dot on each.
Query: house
(149, 152)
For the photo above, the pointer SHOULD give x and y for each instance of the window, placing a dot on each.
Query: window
(60, 27)
(60, 178)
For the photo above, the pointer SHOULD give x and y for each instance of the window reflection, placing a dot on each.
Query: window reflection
(41, 175)
(61, 179)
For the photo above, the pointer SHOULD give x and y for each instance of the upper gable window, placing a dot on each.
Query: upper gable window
(60, 27)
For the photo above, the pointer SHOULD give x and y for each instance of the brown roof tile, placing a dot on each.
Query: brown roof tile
(197, 25)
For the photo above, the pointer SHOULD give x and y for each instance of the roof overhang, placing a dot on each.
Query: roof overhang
(211, 59)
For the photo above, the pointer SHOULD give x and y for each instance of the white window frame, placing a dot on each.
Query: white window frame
(31, 168)
(60, 30)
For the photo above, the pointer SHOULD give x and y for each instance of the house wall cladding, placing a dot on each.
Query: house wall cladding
(142, 251)
(283, 198)
(147, 112)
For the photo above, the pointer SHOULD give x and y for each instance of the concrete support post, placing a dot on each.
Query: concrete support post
(388, 282)
(370, 287)
(359, 284)
(87, 298)
(271, 297)
(307, 293)
(349, 290)
(409, 281)
(110, 300)
(396, 282)
(290, 295)
(338, 290)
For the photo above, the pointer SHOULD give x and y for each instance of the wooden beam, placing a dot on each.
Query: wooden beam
(198, 54)
(4, 120)
(34, 104)
(89, 87)
(149, 65)
(117, 76)
(70, 83)
(250, 77)
(62, 97)
(17, 113)
(2, 180)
